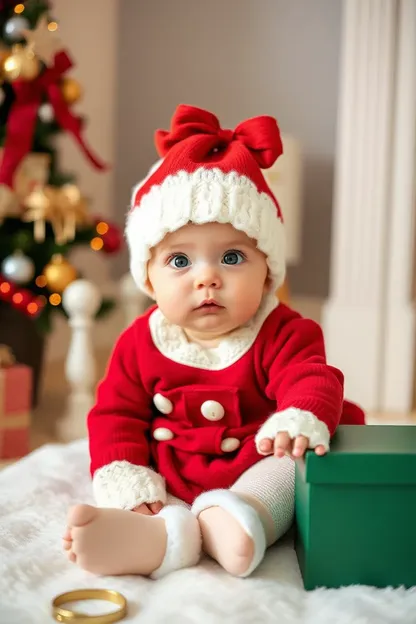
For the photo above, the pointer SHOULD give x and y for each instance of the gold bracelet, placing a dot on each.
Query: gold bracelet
(66, 615)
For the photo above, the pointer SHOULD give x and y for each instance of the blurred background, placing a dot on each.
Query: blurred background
(239, 59)
(339, 76)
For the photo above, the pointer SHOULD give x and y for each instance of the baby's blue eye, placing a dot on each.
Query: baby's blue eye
(233, 257)
(180, 261)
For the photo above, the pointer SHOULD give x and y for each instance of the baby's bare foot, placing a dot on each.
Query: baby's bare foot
(114, 541)
(225, 540)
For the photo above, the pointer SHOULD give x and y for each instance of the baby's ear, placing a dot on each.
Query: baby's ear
(268, 284)
(149, 287)
(148, 283)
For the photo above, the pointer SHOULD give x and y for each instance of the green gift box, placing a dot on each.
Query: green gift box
(356, 509)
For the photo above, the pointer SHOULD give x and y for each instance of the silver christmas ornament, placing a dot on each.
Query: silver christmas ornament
(18, 268)
(14, 27)
(45, 112)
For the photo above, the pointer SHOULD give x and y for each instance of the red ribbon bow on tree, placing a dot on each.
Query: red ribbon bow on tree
(260, 135)
(22, 117)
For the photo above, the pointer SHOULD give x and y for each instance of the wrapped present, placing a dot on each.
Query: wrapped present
(15, 406)
(356, 509)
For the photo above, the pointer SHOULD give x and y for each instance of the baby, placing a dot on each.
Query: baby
(211, 394)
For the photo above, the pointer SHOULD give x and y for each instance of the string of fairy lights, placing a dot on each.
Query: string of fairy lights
(19, 8)
(59, 273)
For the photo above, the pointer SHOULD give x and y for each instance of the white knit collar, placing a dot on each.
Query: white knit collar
(172, 342)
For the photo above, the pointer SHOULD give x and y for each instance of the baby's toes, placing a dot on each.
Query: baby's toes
(71, 556)
(67, 539)
(66, 544)
(81, 515)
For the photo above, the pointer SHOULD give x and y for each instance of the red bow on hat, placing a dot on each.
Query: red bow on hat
(260, 135)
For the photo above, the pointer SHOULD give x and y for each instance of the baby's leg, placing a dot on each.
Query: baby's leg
(238, 524)
(117, 541)
(269, 486)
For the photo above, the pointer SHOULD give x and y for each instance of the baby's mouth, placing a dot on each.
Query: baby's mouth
(209, 304)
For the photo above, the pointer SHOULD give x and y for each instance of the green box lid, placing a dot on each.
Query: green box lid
(369, 454)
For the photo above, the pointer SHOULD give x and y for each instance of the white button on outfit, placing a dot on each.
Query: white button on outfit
(161, 434)
(163, 404)
(228, 445)
(212, 410)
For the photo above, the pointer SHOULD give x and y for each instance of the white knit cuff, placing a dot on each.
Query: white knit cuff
(245, 515)
(184, 541)
(124, 486)
(295, 422)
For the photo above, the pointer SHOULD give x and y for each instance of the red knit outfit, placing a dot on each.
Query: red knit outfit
(283, 367)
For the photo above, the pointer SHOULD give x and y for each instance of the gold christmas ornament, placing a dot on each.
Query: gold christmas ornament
(45, 42)
(71, 90)
(21, 63)
(59, 273)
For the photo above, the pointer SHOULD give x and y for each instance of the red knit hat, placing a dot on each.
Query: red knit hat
(206, 175)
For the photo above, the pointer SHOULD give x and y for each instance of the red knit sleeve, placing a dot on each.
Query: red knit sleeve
(299, 376)
(119, 421)
(307, 391)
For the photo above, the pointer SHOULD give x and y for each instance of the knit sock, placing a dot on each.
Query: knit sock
(115, 541)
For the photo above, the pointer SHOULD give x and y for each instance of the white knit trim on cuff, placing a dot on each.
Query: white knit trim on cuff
(295, 422)
(243, 513)
(124, 485)
(184, 541)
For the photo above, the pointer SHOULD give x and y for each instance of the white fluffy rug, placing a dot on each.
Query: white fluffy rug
(34, 496)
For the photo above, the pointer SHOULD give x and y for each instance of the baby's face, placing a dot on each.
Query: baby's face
(209, 279)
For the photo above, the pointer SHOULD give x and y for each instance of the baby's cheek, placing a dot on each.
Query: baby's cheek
(173, 305)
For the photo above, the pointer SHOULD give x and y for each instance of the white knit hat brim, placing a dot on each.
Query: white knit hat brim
(204, 196)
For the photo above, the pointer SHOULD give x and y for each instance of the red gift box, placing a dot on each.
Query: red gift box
(15, 406)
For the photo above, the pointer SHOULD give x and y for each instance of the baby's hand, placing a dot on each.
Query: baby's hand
(284, 445)
(149, 509)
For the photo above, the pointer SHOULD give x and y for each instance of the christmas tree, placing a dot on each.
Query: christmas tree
(43, 214)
